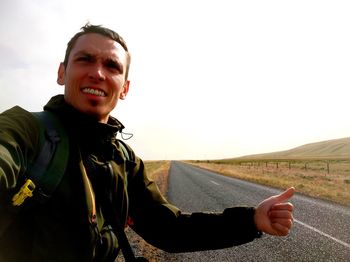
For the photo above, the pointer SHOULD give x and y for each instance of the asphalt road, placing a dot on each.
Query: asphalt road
(321, 229)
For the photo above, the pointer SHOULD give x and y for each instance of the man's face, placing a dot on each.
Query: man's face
(94, 77)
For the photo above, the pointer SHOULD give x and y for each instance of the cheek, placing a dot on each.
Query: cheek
(71, 90)
(118, 86)
(72, 84)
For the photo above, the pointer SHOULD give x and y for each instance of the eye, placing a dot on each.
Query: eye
(84, 58)
(113, 65)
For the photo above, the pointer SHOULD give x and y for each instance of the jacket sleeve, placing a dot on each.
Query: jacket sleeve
(19, 135)
(166, 227)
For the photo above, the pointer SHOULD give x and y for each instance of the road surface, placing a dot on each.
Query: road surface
(321, 229)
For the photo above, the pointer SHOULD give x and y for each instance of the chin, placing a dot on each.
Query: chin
(99, 116)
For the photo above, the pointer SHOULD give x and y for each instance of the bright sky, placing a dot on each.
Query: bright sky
(209, 78)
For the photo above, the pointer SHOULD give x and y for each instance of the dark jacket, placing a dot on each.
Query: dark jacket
(62, 228)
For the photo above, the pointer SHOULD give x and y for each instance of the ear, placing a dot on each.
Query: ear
(125, 90)
(61, 74)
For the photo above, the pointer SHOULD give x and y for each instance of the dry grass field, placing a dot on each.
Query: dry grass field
(158, 171)
(320, 178)
(324, 179)
(320, 169)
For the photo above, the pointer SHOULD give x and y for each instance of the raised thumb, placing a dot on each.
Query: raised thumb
(284, 196)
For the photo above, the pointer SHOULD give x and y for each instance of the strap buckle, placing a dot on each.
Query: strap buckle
(25, 192)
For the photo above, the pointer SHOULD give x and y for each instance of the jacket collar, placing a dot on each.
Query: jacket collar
(73, 117)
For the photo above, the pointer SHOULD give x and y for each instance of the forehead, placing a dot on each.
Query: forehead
(99, 45)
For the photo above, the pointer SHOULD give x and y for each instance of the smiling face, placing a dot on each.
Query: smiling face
(94, 77)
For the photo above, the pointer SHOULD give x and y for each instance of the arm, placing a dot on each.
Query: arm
(19, 135)
(166, 227)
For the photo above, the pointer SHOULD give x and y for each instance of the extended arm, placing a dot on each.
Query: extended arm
(166, 227)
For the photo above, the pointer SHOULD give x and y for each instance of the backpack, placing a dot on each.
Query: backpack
(50, 164)
(48, 169)
(46, 172)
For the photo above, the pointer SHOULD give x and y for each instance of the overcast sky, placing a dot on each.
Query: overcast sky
(209, 78)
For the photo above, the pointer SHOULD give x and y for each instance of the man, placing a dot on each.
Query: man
(100, 185)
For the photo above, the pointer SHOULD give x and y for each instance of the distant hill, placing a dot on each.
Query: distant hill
(330, 149)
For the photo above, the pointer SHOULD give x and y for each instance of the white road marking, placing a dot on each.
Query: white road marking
(322, 233)
(214, 182)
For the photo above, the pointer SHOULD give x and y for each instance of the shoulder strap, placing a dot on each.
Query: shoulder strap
(128, 253)
(50, 164)
(125, 246)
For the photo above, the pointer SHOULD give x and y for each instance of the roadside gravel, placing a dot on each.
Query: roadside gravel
(141, 247)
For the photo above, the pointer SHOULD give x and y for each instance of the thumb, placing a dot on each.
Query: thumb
(284, 196)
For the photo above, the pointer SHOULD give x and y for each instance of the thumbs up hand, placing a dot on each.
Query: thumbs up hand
(274, 215)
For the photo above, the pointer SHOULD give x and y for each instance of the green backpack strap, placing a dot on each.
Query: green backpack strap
(50, 164)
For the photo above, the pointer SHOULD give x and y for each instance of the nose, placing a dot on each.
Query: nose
(97, 73)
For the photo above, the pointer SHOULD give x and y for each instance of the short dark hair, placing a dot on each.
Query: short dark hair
(98, 29)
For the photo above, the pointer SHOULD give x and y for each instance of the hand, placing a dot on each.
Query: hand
(273, 216)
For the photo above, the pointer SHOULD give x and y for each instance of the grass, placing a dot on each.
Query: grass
(153, 167)
(158, 171)
(312, 177)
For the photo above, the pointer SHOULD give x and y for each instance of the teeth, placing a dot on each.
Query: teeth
(94, 92)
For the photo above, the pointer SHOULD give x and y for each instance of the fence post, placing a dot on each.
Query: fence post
(327, 167)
